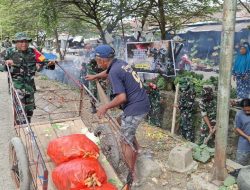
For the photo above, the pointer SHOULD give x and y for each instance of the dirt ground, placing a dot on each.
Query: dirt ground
(156, 141)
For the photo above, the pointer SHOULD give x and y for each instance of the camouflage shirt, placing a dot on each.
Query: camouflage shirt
(24, 68)
(6, 44)
(209, 108)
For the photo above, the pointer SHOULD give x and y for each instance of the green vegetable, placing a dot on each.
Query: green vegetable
(113, 181)
(203, 153)
(56, 126)
(197, 80)
(222, 188)
(229, 181)
(161, 83)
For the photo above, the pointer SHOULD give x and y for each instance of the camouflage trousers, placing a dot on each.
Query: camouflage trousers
(204, 132)
(93, 88)
(186, 127)
(154, 113)
(28, 102)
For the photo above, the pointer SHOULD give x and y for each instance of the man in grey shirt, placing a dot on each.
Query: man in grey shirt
(242, 120)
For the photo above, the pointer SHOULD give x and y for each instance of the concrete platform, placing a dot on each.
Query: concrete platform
(7, 132)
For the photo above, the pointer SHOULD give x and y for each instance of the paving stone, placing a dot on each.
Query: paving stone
(200, 182)
(181, 160)
(243, 179)
(147, 167)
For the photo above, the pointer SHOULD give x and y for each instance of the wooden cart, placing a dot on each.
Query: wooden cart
(31, 167)
(37, 166)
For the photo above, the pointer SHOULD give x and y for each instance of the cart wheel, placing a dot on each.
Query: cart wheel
(109, 145)
(19, 164)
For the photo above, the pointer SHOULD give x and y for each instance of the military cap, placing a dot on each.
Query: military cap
(21, 36)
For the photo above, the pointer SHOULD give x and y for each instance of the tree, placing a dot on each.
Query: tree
(15, 16)
(172, 14)
(37, 17)
(105, 15)
(245, 4)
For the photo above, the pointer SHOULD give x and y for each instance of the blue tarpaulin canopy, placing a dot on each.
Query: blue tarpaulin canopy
(50, 56)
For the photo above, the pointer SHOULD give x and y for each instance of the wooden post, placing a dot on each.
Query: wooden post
(226, 59)
(81, 101)
(101, 94)
(174, 109)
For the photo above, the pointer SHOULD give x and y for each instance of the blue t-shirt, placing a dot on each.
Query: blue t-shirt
(243, 122)
(125, 80)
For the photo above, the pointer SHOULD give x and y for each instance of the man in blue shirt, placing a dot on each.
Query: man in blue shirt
(130, 94)
(242, 120)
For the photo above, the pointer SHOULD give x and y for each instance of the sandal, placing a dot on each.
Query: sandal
(129, 182)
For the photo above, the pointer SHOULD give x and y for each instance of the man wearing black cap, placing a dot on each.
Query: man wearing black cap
(129, 92)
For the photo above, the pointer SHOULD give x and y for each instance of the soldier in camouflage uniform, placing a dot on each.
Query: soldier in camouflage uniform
(22, 62)
(186, 106)
(208, 106)
(155, 108)
(92, 69)
(89, 55)
(6, 44)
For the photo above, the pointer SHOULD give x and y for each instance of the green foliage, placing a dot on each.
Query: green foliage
(172, 12)
(16, 16)
(189, 74)
(56, 126)
(207, 62)
(113, 181)
(197, 80)
(194, 51)
(161, 83)
(203, 153)
(44, 77)
(233, 93)
(199, 85)
(37, 15)
(222, 188)
(214, 81)
(229, 181)
(88, 17)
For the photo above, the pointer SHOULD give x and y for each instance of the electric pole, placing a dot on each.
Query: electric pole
(226, 59)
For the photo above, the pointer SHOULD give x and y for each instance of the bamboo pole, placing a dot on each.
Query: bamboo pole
(174, 109)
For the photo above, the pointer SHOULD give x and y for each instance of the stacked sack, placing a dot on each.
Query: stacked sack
(77, 165)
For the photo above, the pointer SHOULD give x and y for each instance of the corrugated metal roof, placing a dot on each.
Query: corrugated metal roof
(218, 27)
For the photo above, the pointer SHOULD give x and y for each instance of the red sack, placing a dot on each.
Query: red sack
(106, 186)
(78, 174)
(70, 147)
